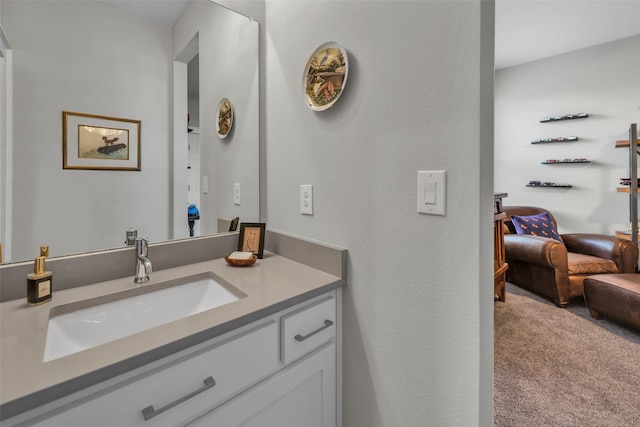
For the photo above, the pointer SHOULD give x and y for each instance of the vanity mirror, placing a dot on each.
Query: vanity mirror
(93, 58)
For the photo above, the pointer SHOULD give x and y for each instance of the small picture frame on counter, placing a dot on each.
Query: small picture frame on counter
(251, 238)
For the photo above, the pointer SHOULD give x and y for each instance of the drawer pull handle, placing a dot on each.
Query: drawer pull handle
(327, 323)
(149, 412)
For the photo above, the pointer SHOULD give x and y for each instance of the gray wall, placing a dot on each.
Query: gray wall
(602, 81)
(418, 305)
(98, 73)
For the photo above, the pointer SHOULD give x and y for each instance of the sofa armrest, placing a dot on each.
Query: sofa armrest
(541, 251)
(623, 252)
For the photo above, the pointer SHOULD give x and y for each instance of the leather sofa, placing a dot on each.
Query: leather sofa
(557, 269)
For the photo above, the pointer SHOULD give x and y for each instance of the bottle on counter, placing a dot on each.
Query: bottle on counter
(40, 282)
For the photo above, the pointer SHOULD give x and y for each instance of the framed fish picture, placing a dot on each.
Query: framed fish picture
(100, 142)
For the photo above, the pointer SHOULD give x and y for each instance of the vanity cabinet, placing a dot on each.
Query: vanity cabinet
(279, 370)
(302, 394)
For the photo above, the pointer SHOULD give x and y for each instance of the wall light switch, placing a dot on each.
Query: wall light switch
(432, 192)
(205, 184)
(236, 193)
(306, 199)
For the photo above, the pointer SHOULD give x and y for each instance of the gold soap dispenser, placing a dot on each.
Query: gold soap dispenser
(40, 282)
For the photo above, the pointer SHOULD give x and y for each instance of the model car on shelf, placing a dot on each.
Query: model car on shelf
(565, 117)
(535, 183)
(627, 181)
(567, 160)
(556, 139)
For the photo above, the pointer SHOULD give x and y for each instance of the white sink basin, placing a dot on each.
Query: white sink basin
(85, 324)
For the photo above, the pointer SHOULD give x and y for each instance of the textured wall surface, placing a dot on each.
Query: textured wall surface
(415, 299)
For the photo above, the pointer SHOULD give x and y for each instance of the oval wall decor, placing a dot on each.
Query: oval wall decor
(225, 118)
(325, 76)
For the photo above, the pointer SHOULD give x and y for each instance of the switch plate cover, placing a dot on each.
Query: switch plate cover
(432, 192)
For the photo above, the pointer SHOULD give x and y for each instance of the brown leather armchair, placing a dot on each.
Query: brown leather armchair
(557, 269)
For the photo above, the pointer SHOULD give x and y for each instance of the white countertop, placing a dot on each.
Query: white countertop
(271, 284)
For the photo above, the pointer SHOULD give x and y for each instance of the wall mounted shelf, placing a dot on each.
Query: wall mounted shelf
(552, 140)
(623, 235)
(565, 117)
(551, 186)
(625, 190)
(571, 162)
(624, 143)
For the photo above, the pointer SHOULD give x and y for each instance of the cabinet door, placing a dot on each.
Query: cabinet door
(303, 394)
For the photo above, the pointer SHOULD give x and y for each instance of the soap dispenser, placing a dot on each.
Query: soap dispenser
(40, 282)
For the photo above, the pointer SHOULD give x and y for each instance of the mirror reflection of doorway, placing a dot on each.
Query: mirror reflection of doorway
(193, 174)
(193, 117)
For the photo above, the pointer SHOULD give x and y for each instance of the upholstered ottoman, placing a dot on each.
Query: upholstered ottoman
(616, 296)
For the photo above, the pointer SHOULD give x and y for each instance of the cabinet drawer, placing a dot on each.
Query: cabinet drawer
(308, 328)
(184, 389)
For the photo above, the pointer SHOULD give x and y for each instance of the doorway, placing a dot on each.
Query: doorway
(193, 141)
(186, 145)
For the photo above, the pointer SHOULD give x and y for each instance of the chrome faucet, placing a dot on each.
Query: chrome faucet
(143, 264)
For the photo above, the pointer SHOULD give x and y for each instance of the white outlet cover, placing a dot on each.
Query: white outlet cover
(306, 199)
(236, 193)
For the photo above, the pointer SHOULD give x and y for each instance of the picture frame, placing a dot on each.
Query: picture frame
(97, 142)
(251, 238)
(224, 121)
(325, 76)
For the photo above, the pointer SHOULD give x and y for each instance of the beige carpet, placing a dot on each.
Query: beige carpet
(560, 367)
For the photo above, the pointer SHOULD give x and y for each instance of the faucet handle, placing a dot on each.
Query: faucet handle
(131, 234)
(141, 245)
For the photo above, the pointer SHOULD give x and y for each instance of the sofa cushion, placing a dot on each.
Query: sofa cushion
(536, 225)
(587, 264)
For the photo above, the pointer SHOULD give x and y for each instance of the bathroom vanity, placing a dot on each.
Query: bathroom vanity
(270, 357)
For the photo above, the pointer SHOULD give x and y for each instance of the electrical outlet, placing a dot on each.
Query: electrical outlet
(306, 199)
(236, 193)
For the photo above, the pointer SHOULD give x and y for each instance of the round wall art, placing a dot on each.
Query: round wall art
(225, 118)
(325, 76)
